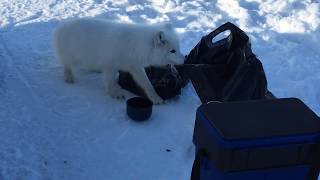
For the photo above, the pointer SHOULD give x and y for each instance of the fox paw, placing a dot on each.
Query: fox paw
(157, 100)
(117, 94)
(69, 79)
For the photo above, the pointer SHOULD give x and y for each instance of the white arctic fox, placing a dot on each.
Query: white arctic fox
(95, 44)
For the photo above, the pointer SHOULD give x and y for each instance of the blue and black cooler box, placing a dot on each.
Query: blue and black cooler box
(274, 139)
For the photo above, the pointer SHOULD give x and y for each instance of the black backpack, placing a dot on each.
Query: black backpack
(226, 70)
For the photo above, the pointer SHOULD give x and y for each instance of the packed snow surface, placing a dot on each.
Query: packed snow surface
(50, 130)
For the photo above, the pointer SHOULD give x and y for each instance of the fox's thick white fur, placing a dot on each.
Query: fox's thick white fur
(96, 44)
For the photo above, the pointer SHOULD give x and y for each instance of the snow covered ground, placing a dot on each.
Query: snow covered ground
(52, 130)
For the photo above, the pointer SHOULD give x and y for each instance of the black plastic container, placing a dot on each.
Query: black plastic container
(139, 108)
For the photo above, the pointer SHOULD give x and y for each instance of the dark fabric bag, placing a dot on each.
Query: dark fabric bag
(226, 70)
(165, 80)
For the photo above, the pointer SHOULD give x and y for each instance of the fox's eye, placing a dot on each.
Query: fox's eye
(173, 51)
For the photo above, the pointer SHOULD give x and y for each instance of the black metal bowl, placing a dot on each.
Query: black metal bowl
(139, 108)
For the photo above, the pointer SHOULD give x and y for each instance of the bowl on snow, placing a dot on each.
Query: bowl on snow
(139, 108)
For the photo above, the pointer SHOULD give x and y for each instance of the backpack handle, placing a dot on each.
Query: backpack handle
(224, 27)
(236, 37)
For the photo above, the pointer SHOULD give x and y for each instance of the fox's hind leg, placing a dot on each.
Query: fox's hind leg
(68, 75)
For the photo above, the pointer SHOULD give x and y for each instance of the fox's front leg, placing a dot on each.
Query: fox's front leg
(140, 76)
(111, 83)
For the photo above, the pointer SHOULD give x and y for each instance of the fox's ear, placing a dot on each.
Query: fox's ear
(159, 39)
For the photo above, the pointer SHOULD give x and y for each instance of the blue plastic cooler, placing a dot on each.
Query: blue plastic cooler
(256, 140)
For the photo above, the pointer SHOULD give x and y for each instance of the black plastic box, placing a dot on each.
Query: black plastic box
(258, 136)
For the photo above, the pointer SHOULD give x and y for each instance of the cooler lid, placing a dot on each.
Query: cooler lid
(261, 119)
